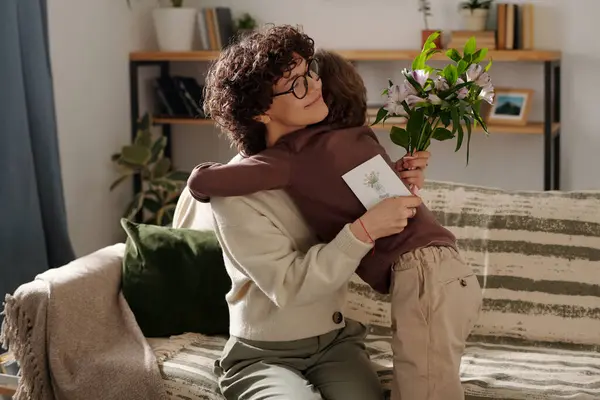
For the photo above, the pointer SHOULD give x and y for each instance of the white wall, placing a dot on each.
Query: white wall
(90, 41)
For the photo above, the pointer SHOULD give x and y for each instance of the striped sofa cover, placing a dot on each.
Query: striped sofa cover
(537, 255)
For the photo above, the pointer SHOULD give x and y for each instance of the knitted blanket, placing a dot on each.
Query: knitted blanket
(75, 337)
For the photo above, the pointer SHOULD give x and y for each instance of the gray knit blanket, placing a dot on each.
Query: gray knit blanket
(79, 341)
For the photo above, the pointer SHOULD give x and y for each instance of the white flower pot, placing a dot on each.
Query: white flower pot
(475, 20)
(175, 28)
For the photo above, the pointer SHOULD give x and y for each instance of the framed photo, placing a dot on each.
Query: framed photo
(511, 106)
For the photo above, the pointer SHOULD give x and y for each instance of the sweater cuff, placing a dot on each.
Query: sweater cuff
(350, 245)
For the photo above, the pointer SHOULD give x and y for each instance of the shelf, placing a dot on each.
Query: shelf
(359, 55)
(532, 128)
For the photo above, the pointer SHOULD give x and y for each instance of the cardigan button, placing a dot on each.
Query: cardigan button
(463, 283)
(337, 317)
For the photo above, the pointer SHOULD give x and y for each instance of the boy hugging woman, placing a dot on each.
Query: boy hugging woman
(299, 119)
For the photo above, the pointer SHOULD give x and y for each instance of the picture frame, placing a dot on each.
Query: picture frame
(511, 106)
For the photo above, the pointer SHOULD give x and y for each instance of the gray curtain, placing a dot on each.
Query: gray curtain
(33, 228)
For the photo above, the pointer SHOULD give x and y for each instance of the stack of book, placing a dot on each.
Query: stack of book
(179, 97)
(486, 39)
(217, 28)
(515, 26)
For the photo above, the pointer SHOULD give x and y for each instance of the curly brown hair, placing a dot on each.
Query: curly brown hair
(344, 91)
(239, 85)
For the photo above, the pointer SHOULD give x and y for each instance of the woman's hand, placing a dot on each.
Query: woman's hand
(411, 169)
(388, 217)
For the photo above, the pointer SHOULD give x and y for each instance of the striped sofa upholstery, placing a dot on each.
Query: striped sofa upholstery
(537, 255)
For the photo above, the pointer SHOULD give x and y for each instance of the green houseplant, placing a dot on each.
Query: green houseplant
(161, 185)
(475, 14)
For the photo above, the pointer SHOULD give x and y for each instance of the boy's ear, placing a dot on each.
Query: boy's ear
(264, 119)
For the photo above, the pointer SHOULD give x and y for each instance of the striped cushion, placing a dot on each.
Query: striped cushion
(537, 257)
(489, 371)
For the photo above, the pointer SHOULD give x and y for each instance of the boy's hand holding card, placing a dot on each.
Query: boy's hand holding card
(373, 181)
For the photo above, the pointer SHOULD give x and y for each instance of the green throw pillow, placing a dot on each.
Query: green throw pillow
(175, 280)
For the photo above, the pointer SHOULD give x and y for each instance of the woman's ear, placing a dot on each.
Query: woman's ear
(264, 119)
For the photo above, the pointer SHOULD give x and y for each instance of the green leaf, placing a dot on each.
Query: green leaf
(136, 155)
(455, 120)
(479, 55)
(430, 54)
(451, 74)
(488, 66)
(390, 83)
(135, 206)
(161, 168)
(166, 184)
(158, 148)
(429, 43)
(381, 114)
(470, 46)
(143, 139)
(462, 67)
(151, 205)
(445, 118)
(414, 127)
(178, 176)
(468, 125)
(144, 122)
(120, 179)
(454, 55)
(456, 127)
(165, 215)
(400, 137)
(442, 134)
(419, 62)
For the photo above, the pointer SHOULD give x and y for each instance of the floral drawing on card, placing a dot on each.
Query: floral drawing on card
(372, 181)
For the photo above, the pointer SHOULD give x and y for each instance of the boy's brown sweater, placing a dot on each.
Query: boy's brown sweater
(308, 164)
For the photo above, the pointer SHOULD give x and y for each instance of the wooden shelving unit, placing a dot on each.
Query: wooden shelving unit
(549, 127)
(532, 128)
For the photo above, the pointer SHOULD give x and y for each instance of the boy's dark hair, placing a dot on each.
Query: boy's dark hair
(344, 91)
(239, 86)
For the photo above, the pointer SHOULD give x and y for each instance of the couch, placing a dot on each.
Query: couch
(537, 257)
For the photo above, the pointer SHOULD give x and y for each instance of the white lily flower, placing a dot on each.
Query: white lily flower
(394, 101)
(412, 100)
(487, 93)
(419, 75)
(441, 84)
(462, 92)
(434, 99)
(476, 74)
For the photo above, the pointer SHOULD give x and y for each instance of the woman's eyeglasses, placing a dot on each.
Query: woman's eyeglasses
(300, 84)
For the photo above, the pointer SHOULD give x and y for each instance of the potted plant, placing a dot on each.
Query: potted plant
(475, 14)
(161, 185)
(175, 26)
(245, 24)
(425, 9)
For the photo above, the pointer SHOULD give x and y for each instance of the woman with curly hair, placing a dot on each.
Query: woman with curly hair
(289, 339)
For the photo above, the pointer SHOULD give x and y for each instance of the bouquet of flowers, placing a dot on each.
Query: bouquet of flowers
(439, 104)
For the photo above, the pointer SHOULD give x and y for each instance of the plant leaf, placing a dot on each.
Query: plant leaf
(454, 55)
(381, 114)
(161, 168)
(462, 67)
(120, 179)
(442, 134)
(488, 66)
(158, 148)
(468, 125)
(165, 215)
(143, 138)
(414, 127)
(445, 118)
(400, 137)
(166, 184)
(479, 55)
(135, 206)
(151, 205)
(136, 155)
(451, 74)
(470, 46)
(179, 176)
(145, 122)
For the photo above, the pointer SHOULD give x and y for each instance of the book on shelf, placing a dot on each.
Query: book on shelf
(515, 26)
(179, 97)
(458, 39)
(216, 26)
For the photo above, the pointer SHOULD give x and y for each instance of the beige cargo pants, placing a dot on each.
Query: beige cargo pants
(436, 300)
